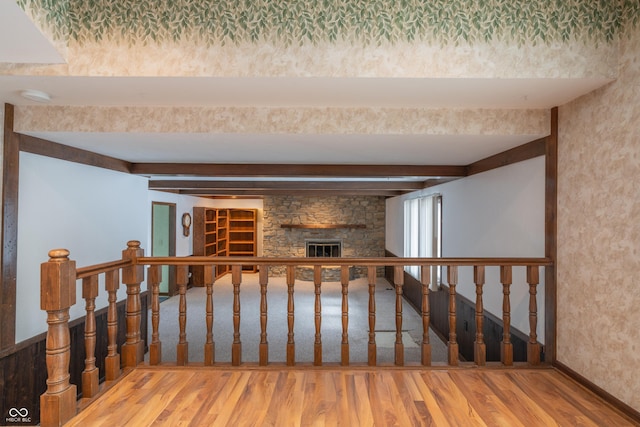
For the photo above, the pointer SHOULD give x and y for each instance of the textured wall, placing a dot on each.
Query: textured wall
(599, 232)
(368, 242)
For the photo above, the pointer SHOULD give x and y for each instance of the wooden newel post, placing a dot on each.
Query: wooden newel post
(57, 295)
(132, 276)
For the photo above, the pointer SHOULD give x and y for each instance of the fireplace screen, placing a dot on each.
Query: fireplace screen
(324, 248)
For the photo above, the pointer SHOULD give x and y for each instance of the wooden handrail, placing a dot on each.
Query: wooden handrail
(378, 262)
(96, 269)
(58, 295)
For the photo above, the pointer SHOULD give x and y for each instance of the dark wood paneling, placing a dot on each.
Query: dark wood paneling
(10, 168)
(43, 147)
(465, 325)
(23, 373)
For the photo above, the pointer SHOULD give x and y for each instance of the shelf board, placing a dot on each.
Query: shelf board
(325, 226)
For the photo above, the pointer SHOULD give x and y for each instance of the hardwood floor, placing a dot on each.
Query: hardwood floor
(355, 397)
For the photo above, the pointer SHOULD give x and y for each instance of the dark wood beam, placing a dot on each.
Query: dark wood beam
(284, 185)
(517, 154)
(289, 192)
(10, 175)
(433, 182)
(43, 147)
(295, 170)
(551, 238)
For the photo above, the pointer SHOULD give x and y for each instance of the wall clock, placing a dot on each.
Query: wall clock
(186, 223)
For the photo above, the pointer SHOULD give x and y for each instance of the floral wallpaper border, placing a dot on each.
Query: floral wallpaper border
(312, 21)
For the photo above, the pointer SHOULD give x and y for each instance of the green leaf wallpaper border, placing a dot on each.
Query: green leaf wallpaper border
(215, 22)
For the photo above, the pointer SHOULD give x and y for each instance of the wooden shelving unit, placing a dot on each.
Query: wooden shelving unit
(242, 234)
(223, 232)
(222, 243)
(205, 237)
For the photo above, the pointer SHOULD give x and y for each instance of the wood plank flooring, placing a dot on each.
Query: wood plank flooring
(355, 397)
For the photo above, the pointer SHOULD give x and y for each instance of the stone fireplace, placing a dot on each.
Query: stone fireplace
(325, 248)
(292, 223)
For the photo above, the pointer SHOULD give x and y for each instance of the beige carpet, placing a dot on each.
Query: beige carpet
(304, 326)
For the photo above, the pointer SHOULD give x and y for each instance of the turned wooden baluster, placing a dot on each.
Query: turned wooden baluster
(236, 347)
(57, 294)
(372, 275)
(209, 345)
(112, 361)
(398, 278)
(479, 347)
(182, 348)
(344, 279)
(425, 280)
(452, 278)
(264, 345)
(506, 347)
(317, 345)
(132, 276)
(90, 374)
(291, 346)
(154, 277)
(533, 348)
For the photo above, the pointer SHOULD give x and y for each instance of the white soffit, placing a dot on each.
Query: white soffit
(291, 149)
(21, 42)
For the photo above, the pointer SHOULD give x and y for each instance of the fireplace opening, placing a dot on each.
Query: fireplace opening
(324, 248)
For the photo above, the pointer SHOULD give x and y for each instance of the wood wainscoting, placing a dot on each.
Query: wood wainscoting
(23, 371)
(465, 322)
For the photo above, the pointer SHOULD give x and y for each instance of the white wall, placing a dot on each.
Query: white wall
(91, 212)
(499, 213)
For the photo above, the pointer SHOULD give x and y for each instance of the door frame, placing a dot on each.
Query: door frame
(172, 288)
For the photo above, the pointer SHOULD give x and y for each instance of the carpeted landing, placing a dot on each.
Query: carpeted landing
(304, 326)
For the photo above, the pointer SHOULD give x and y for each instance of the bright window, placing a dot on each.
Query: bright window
(423, 232)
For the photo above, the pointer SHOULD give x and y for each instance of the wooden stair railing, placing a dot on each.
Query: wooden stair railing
(59, 275)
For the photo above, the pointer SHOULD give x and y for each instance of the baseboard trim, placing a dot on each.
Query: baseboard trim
(626, 410)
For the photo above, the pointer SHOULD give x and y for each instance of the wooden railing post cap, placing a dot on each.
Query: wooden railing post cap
(59, 255)
(58, 281)
(133, 244)
(133, 250)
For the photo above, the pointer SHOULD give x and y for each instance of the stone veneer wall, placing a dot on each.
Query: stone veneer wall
(356, 242)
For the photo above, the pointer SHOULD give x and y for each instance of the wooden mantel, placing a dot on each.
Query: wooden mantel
(327, 226)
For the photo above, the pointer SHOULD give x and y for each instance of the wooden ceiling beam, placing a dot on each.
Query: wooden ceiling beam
(285, 185)
(44, 147)
(517, 154)
(289, 192)
(296, 170)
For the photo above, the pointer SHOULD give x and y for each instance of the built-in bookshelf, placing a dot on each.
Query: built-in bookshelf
(242, 234)
(223, 232)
